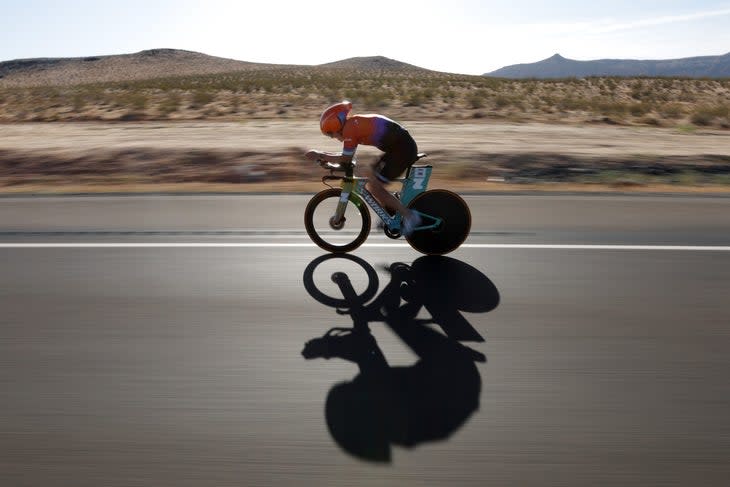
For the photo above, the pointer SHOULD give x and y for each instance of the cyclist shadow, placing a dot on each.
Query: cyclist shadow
(391, 405)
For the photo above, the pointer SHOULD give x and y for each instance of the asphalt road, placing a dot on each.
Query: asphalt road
(273, 363)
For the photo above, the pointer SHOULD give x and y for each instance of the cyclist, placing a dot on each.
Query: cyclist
(400, 152)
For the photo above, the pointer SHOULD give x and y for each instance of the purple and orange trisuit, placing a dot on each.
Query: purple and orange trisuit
(400, 150)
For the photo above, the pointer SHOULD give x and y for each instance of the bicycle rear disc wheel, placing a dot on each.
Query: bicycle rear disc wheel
(344, 236)
(454, 229)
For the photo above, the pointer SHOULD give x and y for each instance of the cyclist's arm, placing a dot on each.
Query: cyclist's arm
(334, 157)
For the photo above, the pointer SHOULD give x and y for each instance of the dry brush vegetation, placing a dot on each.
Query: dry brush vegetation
(302, 92)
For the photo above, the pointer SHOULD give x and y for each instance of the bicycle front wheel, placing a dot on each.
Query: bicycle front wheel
(337, 237)
(455, 226)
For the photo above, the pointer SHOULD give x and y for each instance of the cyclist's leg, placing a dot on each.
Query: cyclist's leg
(400, 152)
(377, 183)
(390, 166)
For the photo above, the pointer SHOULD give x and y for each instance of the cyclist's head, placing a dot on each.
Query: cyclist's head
(333, 119)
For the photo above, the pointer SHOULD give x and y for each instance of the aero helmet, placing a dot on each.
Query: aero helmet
(333, 119)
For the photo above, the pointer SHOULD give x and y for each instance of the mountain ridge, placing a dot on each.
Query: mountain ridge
(557, 66)
(164, 63)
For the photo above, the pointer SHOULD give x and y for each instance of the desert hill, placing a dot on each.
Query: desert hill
(559, 67)
(153, 63)
(157, 63)
(373, 63)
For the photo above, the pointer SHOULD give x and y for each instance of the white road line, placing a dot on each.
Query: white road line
(601, 247)
(261, 245)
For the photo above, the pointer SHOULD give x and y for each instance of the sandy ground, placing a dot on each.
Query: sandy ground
(447, 142)
(276, 136)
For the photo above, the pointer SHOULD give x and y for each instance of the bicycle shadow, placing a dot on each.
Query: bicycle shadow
(388, 405)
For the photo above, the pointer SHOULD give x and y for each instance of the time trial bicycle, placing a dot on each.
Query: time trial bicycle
(337, 219)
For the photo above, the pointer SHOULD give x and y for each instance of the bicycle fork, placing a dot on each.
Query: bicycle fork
(338, 219)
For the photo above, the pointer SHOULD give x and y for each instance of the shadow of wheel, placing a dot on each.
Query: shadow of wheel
(348, 301)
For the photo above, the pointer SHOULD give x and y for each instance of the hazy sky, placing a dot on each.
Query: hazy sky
(459, 36)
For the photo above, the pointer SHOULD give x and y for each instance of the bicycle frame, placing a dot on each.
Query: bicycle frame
(415, 183)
